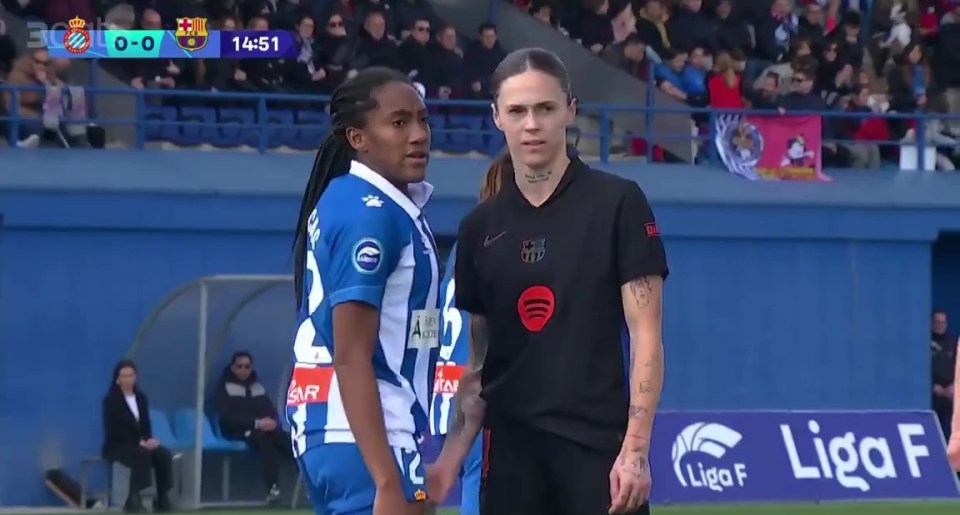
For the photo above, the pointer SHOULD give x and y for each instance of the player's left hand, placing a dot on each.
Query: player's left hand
(630, 479)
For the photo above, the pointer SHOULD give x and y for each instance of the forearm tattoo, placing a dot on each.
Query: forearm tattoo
(468, 403)
(645, 384)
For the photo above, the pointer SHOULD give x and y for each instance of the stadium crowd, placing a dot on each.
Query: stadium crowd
(807, 55)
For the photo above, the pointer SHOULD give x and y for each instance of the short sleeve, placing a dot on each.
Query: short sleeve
(363, 252)
(639, 246)
(465, 268)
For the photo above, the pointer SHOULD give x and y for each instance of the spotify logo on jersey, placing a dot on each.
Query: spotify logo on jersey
(535, 306)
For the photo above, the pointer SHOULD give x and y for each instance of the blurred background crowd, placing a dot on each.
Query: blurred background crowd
(899, 56)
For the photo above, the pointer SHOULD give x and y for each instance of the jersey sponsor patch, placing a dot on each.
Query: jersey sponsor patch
(535, 306)
(447, 378)
(367, 255)
(309, 384)
(652, 230)
(424, 329)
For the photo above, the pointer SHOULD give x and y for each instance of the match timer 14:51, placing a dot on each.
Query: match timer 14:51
(250, 44)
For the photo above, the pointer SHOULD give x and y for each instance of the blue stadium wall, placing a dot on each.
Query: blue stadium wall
(781, 295)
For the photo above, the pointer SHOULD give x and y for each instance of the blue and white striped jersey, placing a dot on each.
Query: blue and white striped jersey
(453, 352)
(367, 242)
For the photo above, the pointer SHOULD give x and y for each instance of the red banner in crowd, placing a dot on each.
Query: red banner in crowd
(772, 147)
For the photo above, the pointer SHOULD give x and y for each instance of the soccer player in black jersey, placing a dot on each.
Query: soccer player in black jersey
(562, 273)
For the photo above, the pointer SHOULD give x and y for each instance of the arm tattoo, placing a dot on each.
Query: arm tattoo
(642, 291)
(468, 399)
(635, 461)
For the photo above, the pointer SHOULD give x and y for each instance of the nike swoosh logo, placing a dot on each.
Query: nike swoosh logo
(489, 240)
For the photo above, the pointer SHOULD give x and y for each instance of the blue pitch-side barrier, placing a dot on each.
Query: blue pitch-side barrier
(270, 121)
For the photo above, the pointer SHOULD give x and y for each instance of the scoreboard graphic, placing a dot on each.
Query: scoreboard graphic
(190, 40)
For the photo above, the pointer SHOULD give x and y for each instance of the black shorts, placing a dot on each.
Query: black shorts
(527, 472)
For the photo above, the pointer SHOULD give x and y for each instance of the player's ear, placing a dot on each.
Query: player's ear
(571, 110)
(357, 139)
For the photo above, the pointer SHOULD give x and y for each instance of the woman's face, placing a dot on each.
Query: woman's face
(306, 27)
(335, 26)
(533, 111)
(127, 378)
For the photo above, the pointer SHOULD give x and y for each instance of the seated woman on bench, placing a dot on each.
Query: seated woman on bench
(128, 439)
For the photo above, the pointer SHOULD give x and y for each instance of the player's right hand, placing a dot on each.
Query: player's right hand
(953, 451)
(440, 480)
(390, 500)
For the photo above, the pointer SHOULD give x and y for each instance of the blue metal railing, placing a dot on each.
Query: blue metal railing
(267, 121)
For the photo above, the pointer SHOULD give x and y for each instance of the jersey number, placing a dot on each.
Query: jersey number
(452, 322)
(306, 352)
(304, 349)
(410, 464)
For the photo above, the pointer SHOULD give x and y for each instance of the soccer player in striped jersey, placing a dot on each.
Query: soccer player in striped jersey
(452, 363)
(367, 283)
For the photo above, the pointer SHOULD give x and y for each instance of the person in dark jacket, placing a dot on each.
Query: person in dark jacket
(375, 47)
(246, 413)
(128, 439)
(482, 58)
(732, 33)
(690, 28)
(416, 59)
(943, 347)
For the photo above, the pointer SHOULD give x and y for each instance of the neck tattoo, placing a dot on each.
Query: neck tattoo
(537, 176)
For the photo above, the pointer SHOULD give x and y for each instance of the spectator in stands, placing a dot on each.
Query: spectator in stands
(8, 51)
(623, 23)
(543, 11)
(592, 26)
(346, 10)
(908, 84)
(943, 347)
(482, 58)
(802, 96)
(31, 69)
(836, 79)
(128, 439)
(652, 19)
(263, 74)
(774, 33)
(246, 413)
(408, 13)
(375, 47)
(226, 74)
(305, 74)
(449, 61)
(733, 34)
(689, 27)
(833, 14)
(724, 85)
(415, 56)
(948, 54)
(767, 94)
(864, 132)
(801, 59)
(681, 80)
(337, 52)
(629, 55)
(363, 8)
(155, 73)
(811, 26)
(847, 38)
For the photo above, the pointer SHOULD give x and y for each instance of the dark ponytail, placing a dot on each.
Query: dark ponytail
(349, 106)
(333, 160)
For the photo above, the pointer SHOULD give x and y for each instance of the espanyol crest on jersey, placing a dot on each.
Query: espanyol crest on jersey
(453, 352)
